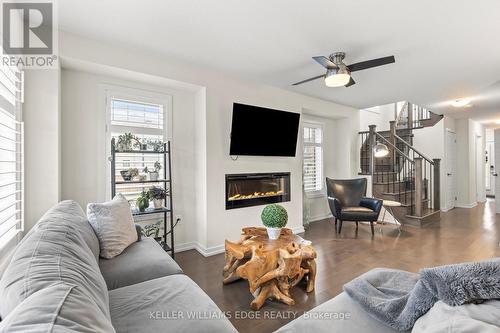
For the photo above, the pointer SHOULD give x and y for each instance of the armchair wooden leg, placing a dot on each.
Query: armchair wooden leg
(335, 223)
(356, 225)
(340, 226)
(371, 225)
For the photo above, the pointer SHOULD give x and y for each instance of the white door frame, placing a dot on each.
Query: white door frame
(450, 202)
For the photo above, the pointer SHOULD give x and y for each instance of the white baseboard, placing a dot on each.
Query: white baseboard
(213, 250)
(469, 205)
(444, 210)
(320, 217)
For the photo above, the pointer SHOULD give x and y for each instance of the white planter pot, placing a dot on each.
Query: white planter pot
(158, 203)
(153, 176)
(273, 233)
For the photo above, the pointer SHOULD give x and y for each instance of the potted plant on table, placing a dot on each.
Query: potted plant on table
(274, 217)
(142, 201)
(153, 175)
(158, 194)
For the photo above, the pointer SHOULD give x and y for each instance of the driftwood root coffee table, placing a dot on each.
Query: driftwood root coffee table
(272, 267)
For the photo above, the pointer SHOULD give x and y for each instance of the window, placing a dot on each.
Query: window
(313, 159)
(145, 116)
(11, 154)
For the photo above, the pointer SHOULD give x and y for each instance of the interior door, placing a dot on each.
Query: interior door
(451, 162)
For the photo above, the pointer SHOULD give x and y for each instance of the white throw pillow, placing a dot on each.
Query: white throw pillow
(113, 224)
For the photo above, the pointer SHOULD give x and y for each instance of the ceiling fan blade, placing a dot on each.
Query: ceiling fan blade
(371, 63)
(350, 83)
(311, 79)
(325, 62)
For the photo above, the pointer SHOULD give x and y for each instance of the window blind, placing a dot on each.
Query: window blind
(313, 159)
(146, 121)
(11, 154)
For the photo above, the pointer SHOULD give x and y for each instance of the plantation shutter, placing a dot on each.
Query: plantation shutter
(11, 154)
(313, 158)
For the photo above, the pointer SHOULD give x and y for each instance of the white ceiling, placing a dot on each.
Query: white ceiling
(444, 49)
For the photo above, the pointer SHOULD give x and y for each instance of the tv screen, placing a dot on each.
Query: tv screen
(263, 132)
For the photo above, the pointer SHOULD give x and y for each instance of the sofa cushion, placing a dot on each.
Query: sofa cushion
(340, 314)
(54, 251)
(58, 308)
(484, 318)
(169, 304)
(114, 225)
(144, 260)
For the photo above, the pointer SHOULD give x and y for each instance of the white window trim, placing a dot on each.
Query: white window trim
(109, 92)
(312, 124)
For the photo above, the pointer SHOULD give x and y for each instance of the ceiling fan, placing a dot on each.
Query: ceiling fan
(338, 74)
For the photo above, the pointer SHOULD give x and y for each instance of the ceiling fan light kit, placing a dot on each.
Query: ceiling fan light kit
(337, 78)
(338, 74)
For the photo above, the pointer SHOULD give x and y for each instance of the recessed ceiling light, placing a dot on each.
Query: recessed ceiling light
(460, 103)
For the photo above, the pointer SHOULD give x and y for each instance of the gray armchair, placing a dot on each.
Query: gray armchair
(347, 201)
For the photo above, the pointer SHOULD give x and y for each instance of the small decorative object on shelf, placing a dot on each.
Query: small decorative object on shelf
(157, 194)
(274, 217)
(142, 201)
(132, 179)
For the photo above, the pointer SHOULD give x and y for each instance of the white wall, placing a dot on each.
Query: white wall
(213, 224)
(470, 149)
(41, 115)
(377, 115)
(336, 146)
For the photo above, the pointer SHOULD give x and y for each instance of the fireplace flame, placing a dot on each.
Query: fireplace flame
(255, 195)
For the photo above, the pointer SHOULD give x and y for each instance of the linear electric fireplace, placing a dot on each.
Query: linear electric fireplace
(253, 189)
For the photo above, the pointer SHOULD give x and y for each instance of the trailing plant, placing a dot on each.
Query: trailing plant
(157, 193)
(152, 230)
(274, 216)
(155, 145)
(157, 168)
(126, 141)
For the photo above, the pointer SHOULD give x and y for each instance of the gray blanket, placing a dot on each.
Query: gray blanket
(398, 298)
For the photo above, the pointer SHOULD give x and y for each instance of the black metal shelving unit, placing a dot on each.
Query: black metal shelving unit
(166, 182)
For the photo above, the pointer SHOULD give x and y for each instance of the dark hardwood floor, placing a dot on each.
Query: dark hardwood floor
(462, 235)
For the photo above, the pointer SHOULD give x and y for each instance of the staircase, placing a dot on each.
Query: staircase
(405, 174)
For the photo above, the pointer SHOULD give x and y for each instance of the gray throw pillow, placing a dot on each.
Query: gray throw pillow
(113, 224)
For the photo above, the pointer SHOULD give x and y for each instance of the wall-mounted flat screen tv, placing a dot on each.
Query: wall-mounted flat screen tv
(258, 131)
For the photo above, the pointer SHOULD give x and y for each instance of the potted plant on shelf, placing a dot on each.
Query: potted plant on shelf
(129, 174)
(158, 194)
(155, 145)
(125, 141)
(153, 175)
(142, 201)
(274, 217)
(153, 230)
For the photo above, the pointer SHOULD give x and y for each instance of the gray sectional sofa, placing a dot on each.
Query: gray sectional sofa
(56, 282)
